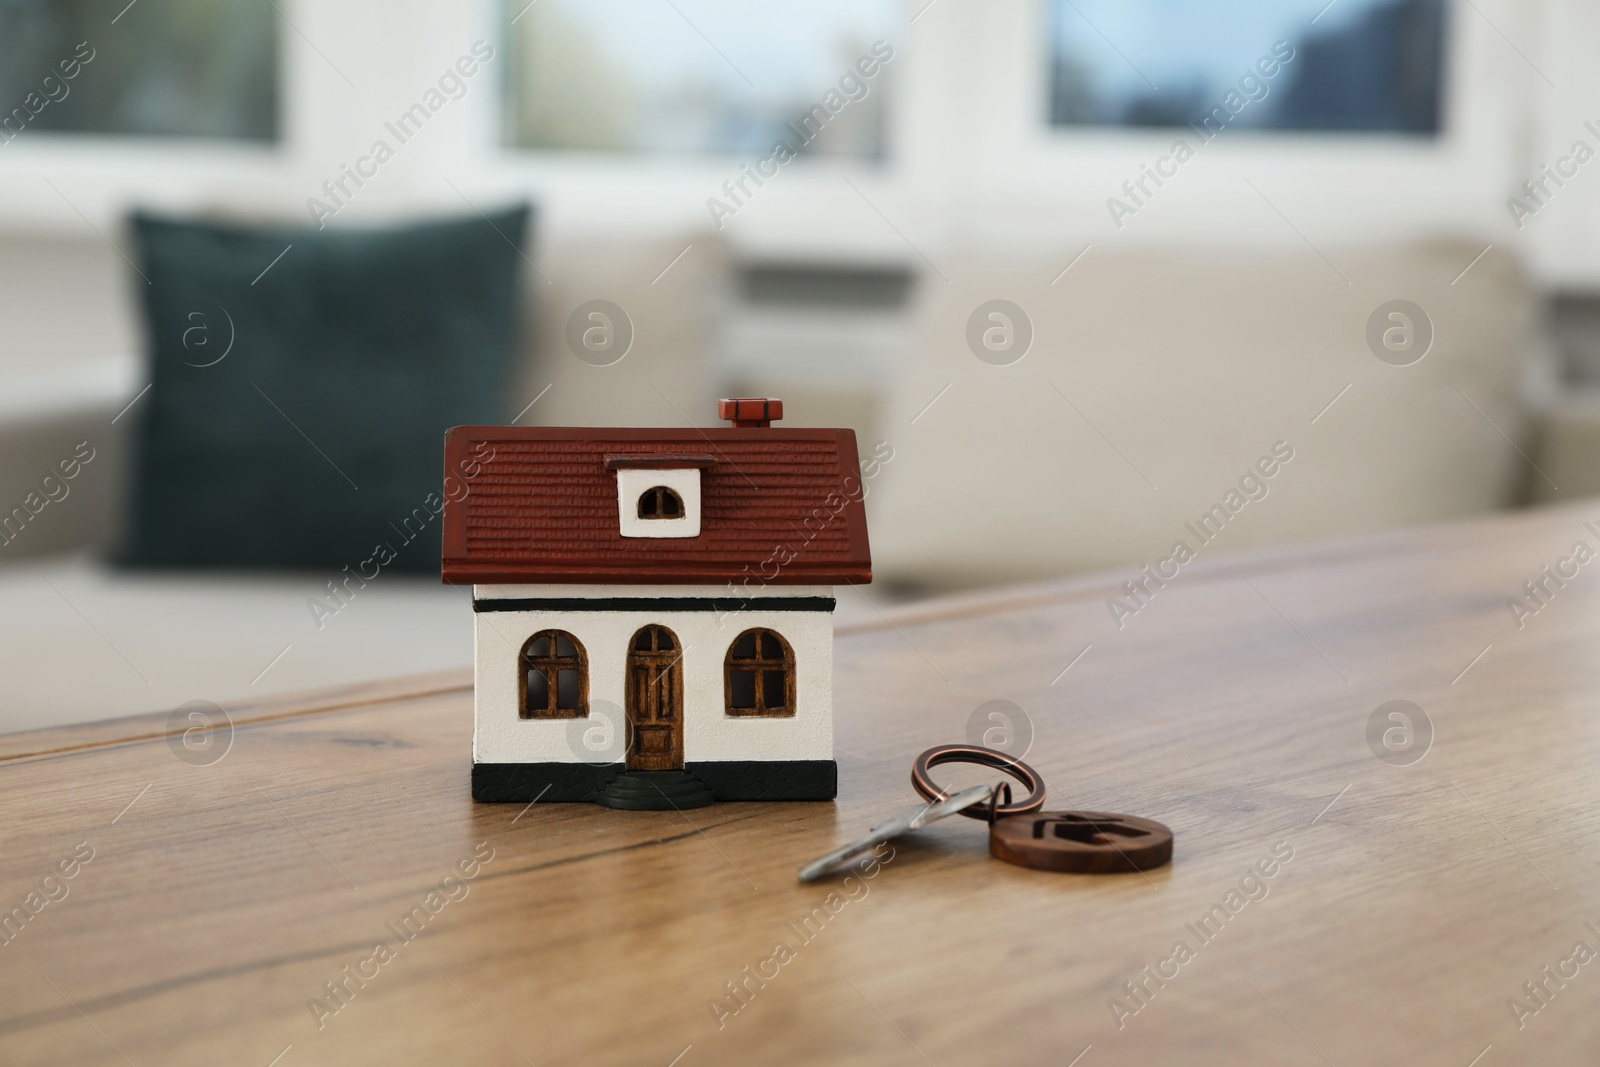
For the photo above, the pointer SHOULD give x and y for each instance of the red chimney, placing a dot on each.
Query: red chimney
(750, 412)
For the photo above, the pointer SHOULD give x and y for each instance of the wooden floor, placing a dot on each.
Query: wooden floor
(210, 906)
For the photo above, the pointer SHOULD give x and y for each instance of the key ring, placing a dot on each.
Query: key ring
(996, 805)
(924, 784)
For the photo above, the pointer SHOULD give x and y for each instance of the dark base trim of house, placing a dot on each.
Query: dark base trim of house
(555, 783)
(801, 779)
(549, 783)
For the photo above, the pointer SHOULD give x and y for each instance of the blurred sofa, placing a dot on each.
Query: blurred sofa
(669, 290)
(1156, 380)
(1567, 449)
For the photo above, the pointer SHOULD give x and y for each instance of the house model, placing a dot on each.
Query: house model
(654, 607)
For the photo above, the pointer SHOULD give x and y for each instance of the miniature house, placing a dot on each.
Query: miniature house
(654, 607)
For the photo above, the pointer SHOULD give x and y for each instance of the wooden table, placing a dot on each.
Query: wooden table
(1235, 708)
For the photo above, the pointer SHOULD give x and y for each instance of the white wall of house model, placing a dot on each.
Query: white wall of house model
(709, 733)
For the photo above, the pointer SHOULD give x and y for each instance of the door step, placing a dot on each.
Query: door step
(654, 791)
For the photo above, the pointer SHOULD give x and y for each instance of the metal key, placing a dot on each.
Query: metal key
(910, 819)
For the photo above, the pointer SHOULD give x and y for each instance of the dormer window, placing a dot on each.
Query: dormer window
(658, 493)
(659, 502)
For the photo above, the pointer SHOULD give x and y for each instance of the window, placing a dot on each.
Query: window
(1362, 65)
(660, 502)
(696, 76)
(186, 68)
(760, 675)
(654, 639)
(555, 677)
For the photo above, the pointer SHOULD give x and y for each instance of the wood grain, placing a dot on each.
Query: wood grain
(1405, 907)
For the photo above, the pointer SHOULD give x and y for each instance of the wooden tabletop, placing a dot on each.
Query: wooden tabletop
(1408, 902)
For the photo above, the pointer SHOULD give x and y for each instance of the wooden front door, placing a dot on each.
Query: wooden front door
(655, 701)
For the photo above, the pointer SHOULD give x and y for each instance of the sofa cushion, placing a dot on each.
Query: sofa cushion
(302, 381)
(647, 359)
(1158, 377)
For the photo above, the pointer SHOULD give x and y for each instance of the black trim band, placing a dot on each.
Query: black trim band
(796, 779)
(554, 783)
(550, 783)
(658, 603)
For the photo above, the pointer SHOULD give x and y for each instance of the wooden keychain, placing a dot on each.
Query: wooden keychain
(1080, 842)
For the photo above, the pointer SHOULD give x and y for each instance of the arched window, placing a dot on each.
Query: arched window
(659, 502)
(554, 681)
(760, 675)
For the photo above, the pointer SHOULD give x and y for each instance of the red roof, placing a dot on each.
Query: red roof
(778, 507)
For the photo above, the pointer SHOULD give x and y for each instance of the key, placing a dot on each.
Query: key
(910, 819)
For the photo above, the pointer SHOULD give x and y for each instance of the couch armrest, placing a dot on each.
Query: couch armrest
(61, 475)
(1567, 448)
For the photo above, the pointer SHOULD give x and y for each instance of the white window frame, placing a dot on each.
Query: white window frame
(970, 154)
(1348, 187)
(634, 482)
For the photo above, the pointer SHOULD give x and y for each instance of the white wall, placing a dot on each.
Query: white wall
(709, 733)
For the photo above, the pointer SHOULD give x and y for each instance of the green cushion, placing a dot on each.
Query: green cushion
(319, 434)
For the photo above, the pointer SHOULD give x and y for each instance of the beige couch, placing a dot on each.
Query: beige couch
(665, 378)
(1155, 382)
(1158, 378)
